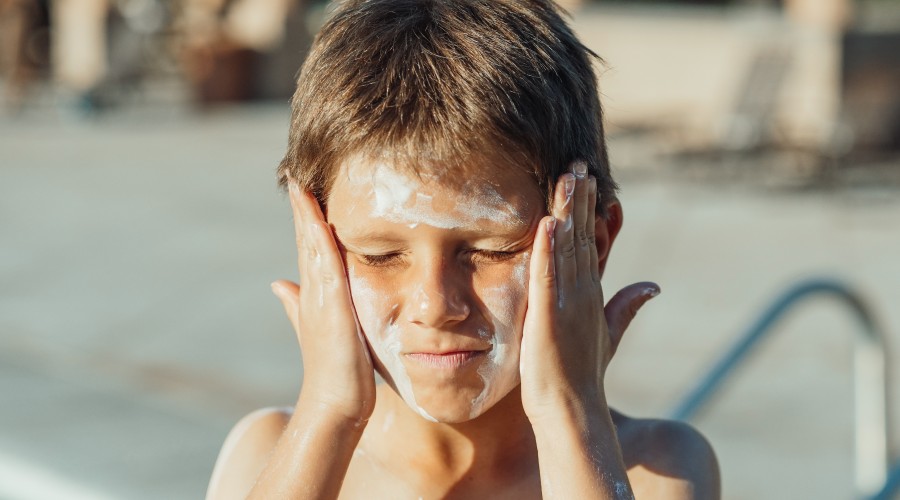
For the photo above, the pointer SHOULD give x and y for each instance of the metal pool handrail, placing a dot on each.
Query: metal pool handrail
(871, 434)
(891, 486)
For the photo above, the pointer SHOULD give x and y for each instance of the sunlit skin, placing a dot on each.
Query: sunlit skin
(388, 286)
(446, 290)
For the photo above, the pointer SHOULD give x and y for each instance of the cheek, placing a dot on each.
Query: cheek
(373, 307)
(506, 301)
(376, 314)
(506, 309)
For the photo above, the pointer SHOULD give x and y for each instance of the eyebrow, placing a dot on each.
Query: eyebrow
(368, 238)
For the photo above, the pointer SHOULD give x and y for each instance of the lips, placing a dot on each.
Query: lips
(445, 360)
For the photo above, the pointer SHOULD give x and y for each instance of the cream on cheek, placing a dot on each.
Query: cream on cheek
(505, 304)
(378, 322)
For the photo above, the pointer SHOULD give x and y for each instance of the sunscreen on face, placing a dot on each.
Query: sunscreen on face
(384, 337)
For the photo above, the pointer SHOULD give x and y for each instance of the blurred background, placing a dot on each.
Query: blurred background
(757, 143)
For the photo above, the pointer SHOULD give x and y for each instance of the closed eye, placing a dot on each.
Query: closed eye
(476, 255)
(381, 260)
(491, 255)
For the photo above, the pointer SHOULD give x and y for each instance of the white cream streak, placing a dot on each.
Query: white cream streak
(384, 336)
(394, 201)
(388, 421)
(499, 372)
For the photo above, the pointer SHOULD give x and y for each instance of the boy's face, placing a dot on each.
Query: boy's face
(439, 277)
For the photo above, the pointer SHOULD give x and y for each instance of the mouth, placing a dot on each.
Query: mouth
(453, 360)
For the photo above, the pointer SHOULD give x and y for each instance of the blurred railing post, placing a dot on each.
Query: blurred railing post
(871, 434)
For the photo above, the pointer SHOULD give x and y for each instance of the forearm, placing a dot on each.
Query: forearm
(311, 458)
(579, 454)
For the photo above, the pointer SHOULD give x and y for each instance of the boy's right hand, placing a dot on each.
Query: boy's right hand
(338, 377)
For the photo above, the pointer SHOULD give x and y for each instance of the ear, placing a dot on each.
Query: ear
(606, 229)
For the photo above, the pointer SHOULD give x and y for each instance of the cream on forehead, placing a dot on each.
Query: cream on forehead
(398, 198)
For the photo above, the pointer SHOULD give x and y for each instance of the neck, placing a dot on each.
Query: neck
(500, 440)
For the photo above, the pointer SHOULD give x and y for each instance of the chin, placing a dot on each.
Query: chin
(452, 399)
(449, 413)
(457, 405)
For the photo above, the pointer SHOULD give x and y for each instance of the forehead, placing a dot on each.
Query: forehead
(485, 195)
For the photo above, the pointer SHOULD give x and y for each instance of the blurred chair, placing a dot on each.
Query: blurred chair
(752, 118)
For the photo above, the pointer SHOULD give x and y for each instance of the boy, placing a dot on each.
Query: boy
(454, 212)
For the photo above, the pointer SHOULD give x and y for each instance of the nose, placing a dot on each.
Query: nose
(437, 297)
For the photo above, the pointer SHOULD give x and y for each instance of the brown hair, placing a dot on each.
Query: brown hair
(443, 82)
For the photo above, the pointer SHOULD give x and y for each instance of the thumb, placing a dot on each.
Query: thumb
(288, 293)
(623, 307)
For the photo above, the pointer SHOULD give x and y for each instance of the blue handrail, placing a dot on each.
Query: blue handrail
(891, 486)
(870, 373)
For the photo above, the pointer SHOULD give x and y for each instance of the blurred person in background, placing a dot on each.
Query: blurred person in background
(94, 46)
(79, 48)
(24, 47)
(243, 49)
(227, 50)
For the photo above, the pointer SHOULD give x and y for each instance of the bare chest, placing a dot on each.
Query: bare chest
(368, 479)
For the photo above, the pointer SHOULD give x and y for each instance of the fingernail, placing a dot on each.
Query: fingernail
(276, 287)
(570, 187)
(650, 291)
(551, 231)
(293, 190)
(579, 169)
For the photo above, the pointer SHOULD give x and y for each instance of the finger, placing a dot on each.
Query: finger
(329, 266)
(300, 235)
(543, 283)
(288, 293)
(623, 307)
(332, 277)
(590, 228)
(318, 274)
(580, 212)
(325, 266)
(311, 207)
(564, 245)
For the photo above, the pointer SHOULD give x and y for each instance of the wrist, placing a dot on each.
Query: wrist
(573, 425)
(579, 451)
(321, 413)
(572, 406)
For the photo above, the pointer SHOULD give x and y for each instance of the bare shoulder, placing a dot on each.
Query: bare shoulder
(667, 459)
(245, 452)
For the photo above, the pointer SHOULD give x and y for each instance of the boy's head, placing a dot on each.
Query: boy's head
(435, 130)
(433, 85)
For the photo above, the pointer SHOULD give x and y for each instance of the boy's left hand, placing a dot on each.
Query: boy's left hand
(569, 338)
